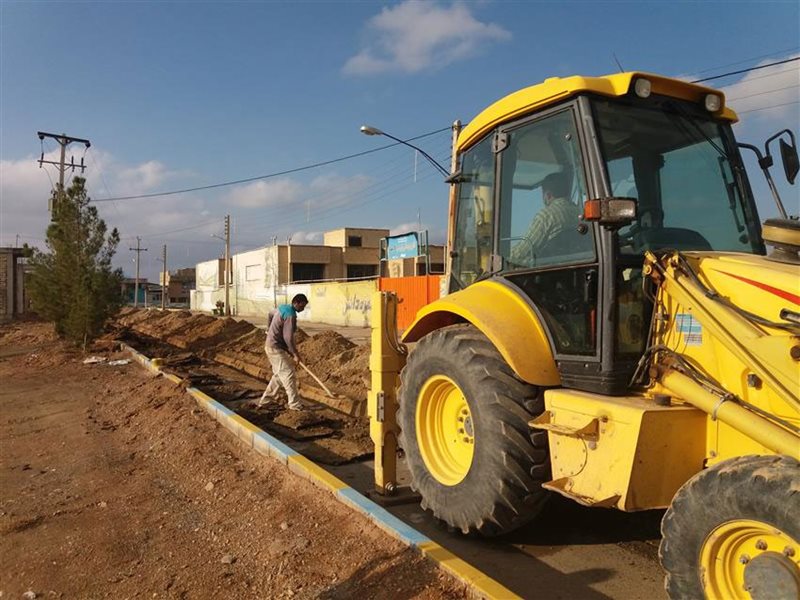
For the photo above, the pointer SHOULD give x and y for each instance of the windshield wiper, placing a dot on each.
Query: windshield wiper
(684, 117)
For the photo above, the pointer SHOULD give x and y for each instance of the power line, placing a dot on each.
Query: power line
(103, 179)
(378, 185)
(788, 87)
(767, 107)
(270, 175)
(381, 187)
(768, 75)
(339, 210)
(384, 174)
(746, 60)
(366, 152)
(740, 71)
(330, 209)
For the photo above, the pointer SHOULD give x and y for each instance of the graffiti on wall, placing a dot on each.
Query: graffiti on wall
(348, 303)
(206, 275)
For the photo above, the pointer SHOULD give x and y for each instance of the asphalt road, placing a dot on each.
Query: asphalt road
(570, 552)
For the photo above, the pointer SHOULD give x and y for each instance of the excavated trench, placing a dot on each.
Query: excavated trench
(225, 358)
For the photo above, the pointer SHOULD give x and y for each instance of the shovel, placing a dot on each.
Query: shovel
(317, 379)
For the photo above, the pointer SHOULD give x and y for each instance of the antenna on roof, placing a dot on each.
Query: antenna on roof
(616, 60)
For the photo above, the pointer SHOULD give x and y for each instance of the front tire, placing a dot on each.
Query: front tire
(464, 428)
(733, 531)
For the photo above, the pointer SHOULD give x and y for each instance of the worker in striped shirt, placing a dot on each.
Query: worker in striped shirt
(557, 215)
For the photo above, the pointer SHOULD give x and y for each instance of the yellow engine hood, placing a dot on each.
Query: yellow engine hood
(753, 283)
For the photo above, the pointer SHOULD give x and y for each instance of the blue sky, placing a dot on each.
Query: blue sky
(176, 95)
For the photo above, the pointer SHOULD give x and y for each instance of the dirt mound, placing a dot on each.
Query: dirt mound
(324, 345)
(14, 334)
(184, 329)
(342, 365)
(346, 372)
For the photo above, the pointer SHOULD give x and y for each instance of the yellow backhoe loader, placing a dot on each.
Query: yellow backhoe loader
(615, 330)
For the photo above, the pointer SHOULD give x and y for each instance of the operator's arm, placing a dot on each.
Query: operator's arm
(537, 235)
(524, 251)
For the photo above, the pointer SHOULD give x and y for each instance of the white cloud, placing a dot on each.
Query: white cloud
(307, 237)
(415, 36)
(768, 87)
(266, 193)
(146, 176)
(25, 189)
(402, 228)
(322, 192)
(332, 189)
(436, 236)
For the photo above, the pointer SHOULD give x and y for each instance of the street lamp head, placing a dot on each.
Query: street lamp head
(367, 130)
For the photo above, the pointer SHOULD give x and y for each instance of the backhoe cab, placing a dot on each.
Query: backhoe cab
(614, 332)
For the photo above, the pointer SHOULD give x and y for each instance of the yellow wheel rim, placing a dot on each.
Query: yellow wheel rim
(750, 559)
(445, 433)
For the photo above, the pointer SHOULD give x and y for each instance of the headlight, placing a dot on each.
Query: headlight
(713, 102)
(642, 87)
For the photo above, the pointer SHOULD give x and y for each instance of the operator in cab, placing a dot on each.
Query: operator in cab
(557, 215)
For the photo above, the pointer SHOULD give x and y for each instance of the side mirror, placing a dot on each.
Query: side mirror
(611, 212)
(791, 163)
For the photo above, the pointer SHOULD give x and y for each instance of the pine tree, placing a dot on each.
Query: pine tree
(73, 283)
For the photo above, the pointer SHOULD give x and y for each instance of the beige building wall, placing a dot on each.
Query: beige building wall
(263, 277)
(362, 256)
(370, 238)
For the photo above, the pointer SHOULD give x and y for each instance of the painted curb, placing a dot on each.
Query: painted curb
(266, 445)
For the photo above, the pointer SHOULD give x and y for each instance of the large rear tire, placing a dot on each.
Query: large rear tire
(733, 531)
(464, 428)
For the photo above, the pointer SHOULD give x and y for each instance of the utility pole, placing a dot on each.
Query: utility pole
(138, 251)
(164, 286)
(63, 140)
(227, 264)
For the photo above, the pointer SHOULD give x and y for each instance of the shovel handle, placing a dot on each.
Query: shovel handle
(317, 379)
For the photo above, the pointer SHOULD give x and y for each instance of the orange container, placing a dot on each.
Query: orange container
(413, 293)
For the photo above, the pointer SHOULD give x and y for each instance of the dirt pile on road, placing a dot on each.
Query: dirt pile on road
(342, 365)
(48, 349)
(117, 485)
(184, 329)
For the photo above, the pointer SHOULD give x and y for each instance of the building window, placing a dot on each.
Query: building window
(361, 271)
(354, 241)
(307, 272)
(436, 269)
(254, 272)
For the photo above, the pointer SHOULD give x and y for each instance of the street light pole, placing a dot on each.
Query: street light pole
(227, 274)
(367, 130)
(227, 265)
